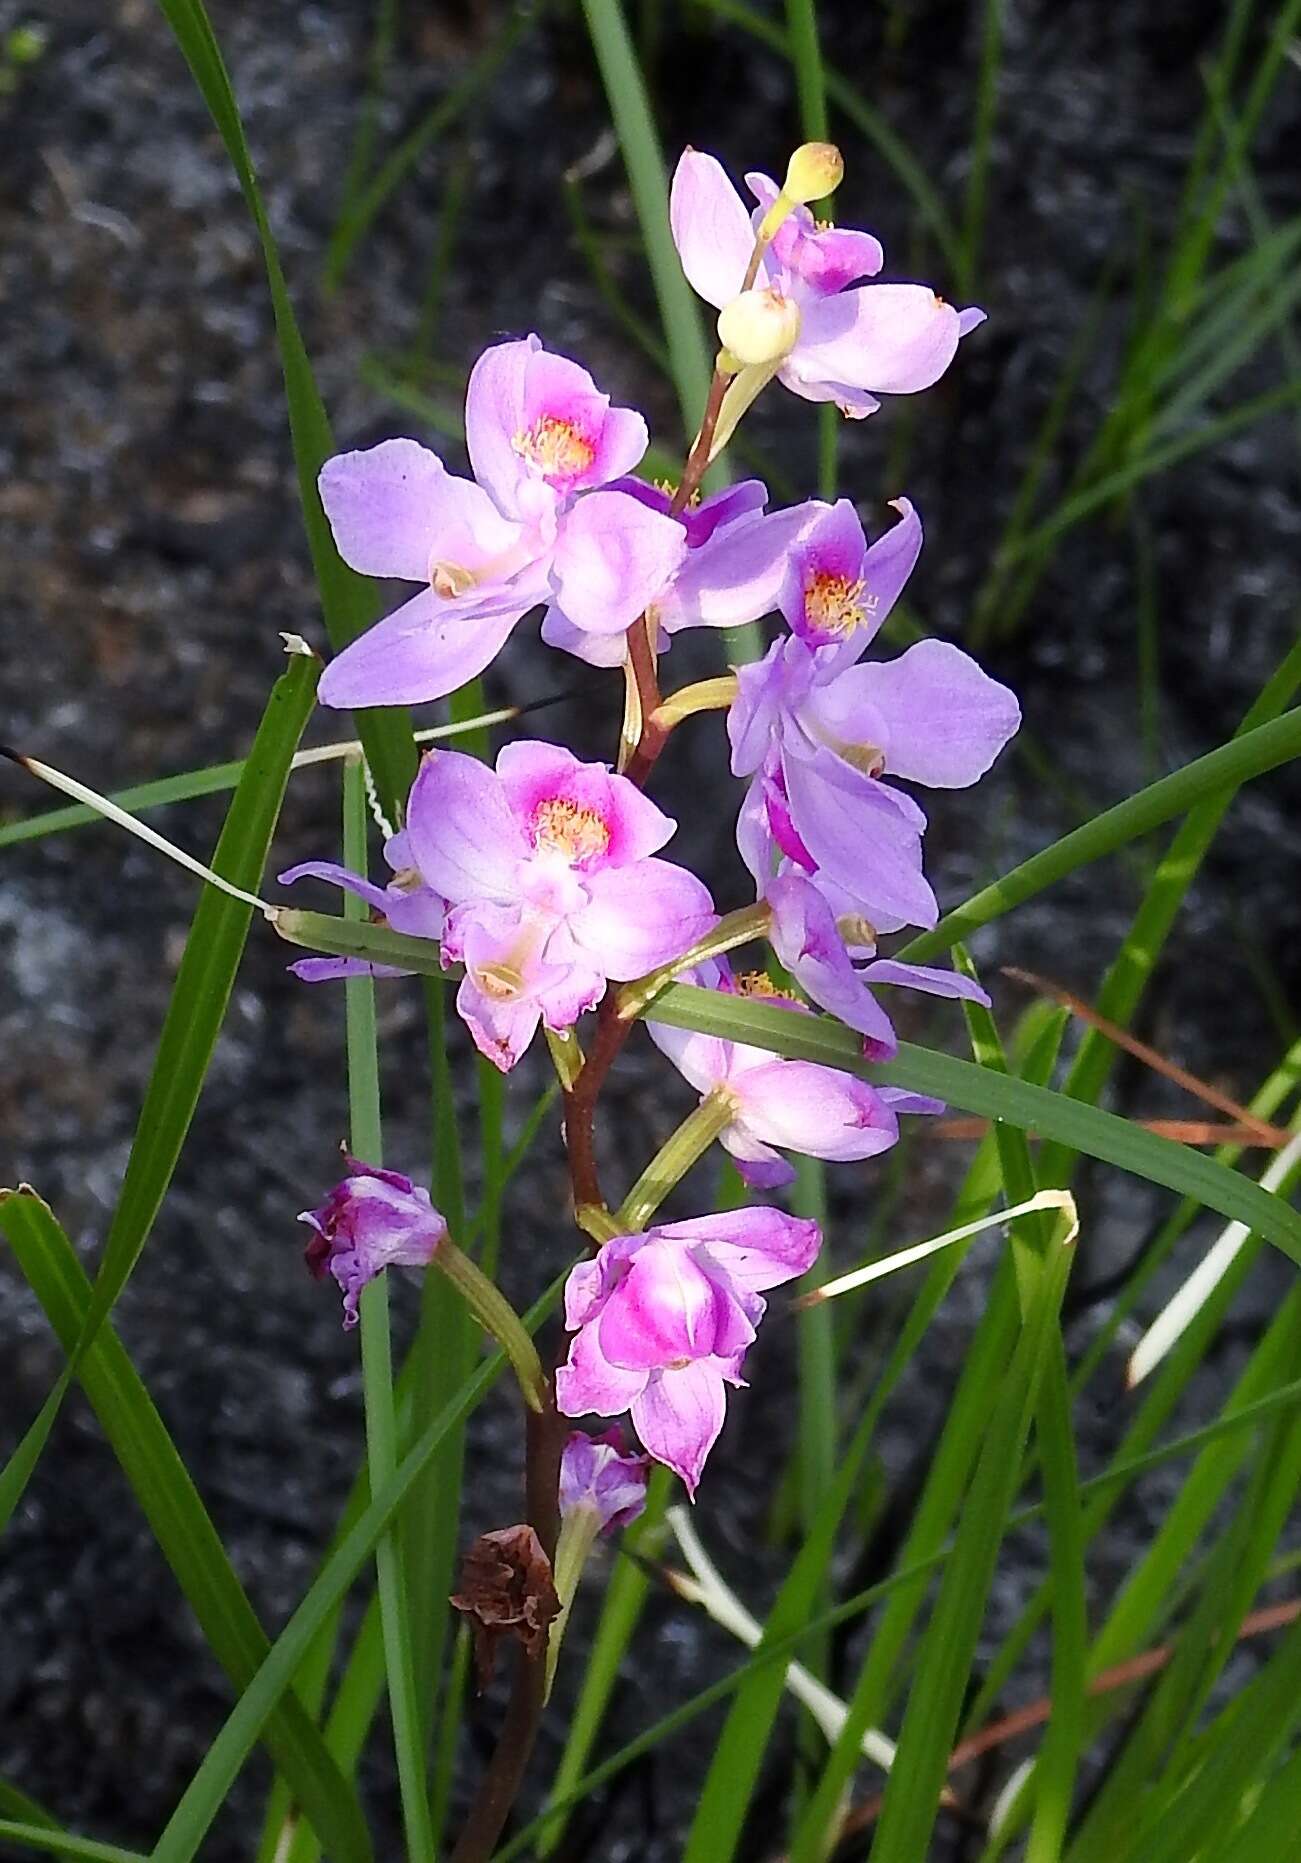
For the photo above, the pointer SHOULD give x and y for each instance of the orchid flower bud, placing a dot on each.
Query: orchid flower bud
(815, 170)
(759, 326)
(373, 1220)
(602, 1488)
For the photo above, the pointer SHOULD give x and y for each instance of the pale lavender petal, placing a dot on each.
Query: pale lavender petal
(642, 916)
(424, 651)
(711, 228)
(755, 714)
(462, 833)
(805, 938)
(501, 1031)
(330, 969)
(613, 557)
(678, 1417)
(886, 339)
(723, 508)
(817, 1111)
(737, 576)
(853, 829)
(758, 1166)
(904, 1102)
(946, 719)
(702, 1060)
(599, 1474)
(950, 983)
(336, 875)
(589, 1384)
(757, 1248)
(597, 649)
(854, 403)
(385, 505)
(494, 415)
(969, 320)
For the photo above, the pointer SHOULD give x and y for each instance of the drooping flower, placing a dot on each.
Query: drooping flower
(855, 341)
(374, 1219)
(406, 904)
(535, 525)
(732, 571)
(548, 868)
(792, 1105)
(600, 1477)
(663, 1321)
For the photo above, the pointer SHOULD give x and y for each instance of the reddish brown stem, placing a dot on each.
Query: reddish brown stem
(698, 458)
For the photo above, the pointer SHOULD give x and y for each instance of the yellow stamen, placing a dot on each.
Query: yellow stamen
(758, 984)
(498, 981)
(832, 605)
(555, 447)
(563, 827)
(451, 579)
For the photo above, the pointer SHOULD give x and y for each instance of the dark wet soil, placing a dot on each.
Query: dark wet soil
(153, 553)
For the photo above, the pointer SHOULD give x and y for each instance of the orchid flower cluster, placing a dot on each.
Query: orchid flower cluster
(543, 880)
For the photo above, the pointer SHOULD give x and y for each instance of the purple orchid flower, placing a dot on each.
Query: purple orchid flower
(406, 904)
(598, 1475)
(548, 869)
(373, 1220)
(732, 571)
(663, 1321)
(855, 341)
(795, 1105)
(534, 526)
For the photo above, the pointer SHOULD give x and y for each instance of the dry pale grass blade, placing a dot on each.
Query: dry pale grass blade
(1150, 1057)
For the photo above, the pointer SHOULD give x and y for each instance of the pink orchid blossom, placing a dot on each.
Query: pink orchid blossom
(534, 526)
(548, 869)
(732, 571)
(599, 1476)
(797, 1106)
(663, 1321)
(855, 341)
(373, 1220)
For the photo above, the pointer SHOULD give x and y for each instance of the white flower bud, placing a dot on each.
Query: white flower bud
(759, 326)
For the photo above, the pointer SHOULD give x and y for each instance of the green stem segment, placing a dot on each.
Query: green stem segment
(497, 1317)
(675, 1158)
(578, 1534)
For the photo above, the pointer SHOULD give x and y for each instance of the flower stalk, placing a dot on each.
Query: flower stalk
(675, 1158)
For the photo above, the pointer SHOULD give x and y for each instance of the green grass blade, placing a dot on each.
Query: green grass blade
(367, 198)
(347, 599)
(1033, 1109)
(982, 135)
(377, 1367)
(176, 1515)
(20, 1809)
(689, 354)
(63, 1844)
(194, 1017)
(206, 1792)
(1248, 755)
(948, 1648)
(1274, 1826)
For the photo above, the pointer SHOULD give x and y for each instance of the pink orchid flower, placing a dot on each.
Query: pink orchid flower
(547, 866)
(663, 1321)
(792, 1105)
(373, 1220)
(855, 341)
(598, 1475)
(534, 526)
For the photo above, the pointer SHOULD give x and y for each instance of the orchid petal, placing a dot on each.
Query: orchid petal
(462, 833)
(886, 339)
(641, 916)
(679, 1415)
(423, 651)
(711, 228)
(589, 1383)
(613, 557)
(946, 720)
(757, 1248)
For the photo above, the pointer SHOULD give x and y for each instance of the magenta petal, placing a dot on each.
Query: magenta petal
(641, 916)
(669, 1307)
(384, 506)
(501, 1031)
(534, 773)
(462, 834)
(757, 1248)
(678, 1417)
(758, 1166)
(946, 719)
(589, 1384)
(423, 651)
(711, 228)
(613, 557)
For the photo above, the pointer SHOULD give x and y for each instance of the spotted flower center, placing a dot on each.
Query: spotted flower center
(757, 983)
(555, 447)
(562, 827)
(832, 603)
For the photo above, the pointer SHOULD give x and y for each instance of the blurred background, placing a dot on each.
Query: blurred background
(1109, 482)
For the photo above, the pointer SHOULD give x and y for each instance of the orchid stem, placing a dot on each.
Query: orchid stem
(675, 1158)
